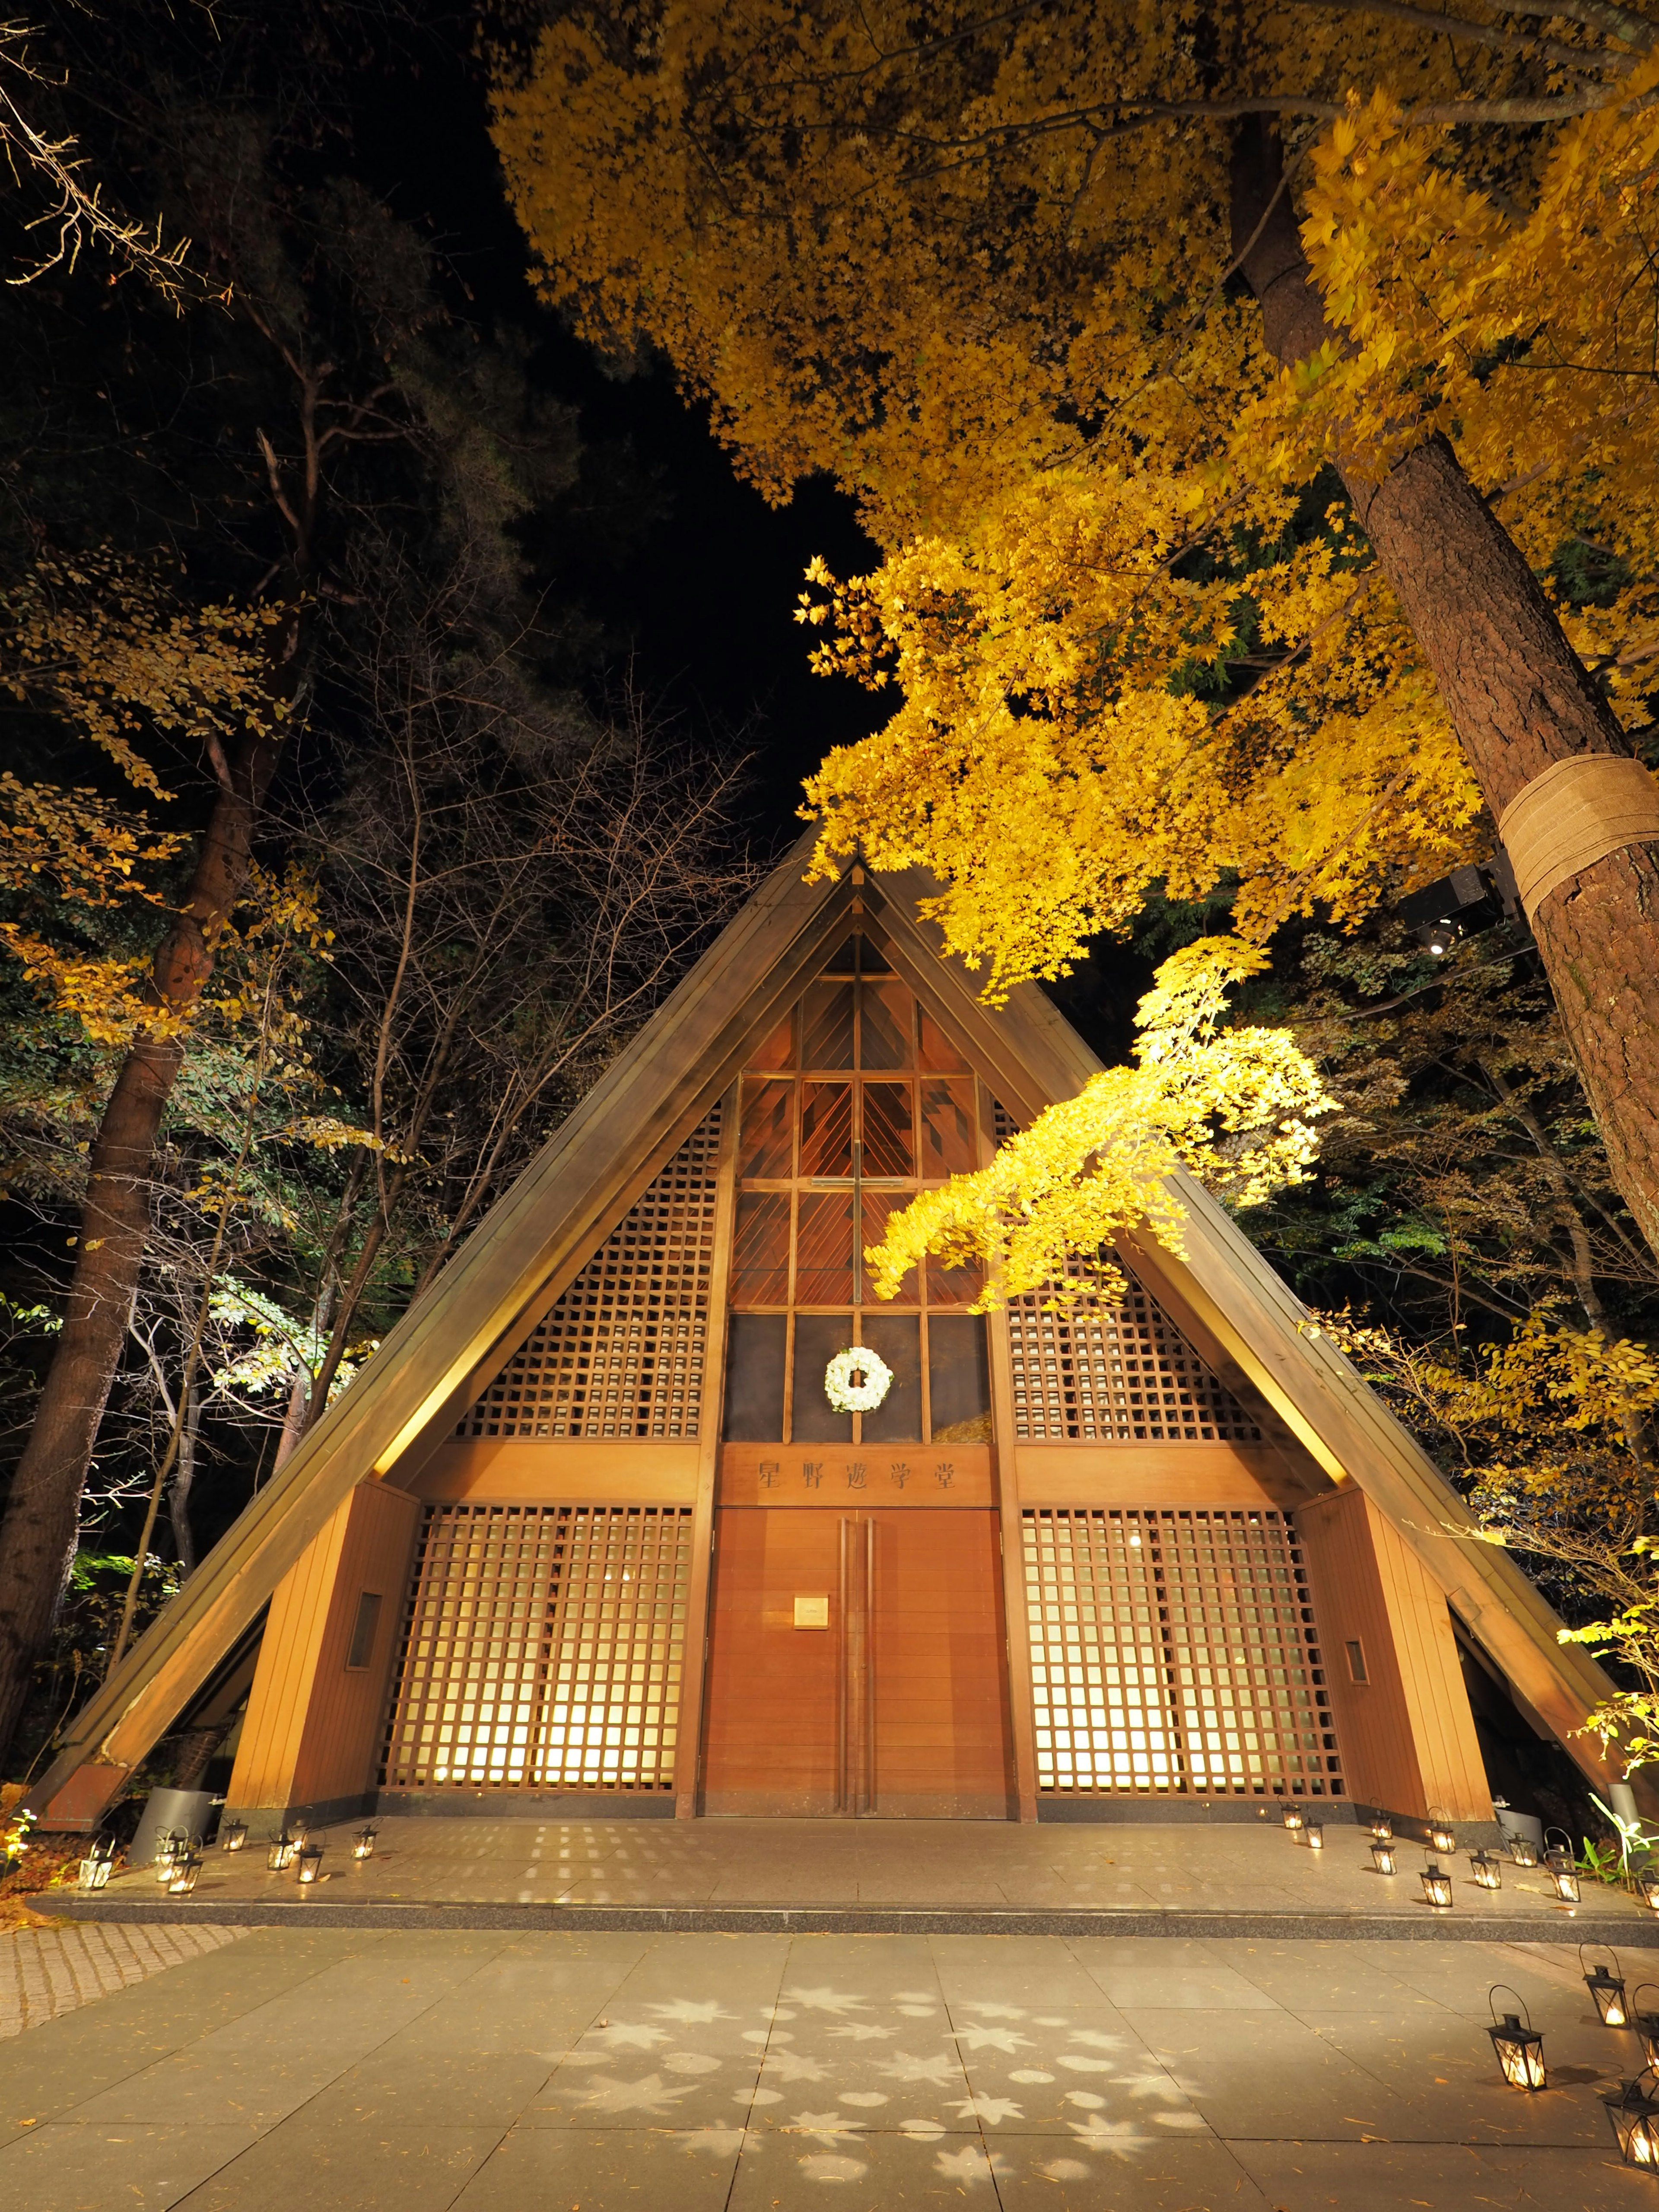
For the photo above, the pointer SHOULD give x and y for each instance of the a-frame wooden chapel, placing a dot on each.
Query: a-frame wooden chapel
(588, 1536)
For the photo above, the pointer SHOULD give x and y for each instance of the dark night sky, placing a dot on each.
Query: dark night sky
(701, 608)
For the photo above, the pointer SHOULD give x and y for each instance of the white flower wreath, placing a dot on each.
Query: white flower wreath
(847, 1396)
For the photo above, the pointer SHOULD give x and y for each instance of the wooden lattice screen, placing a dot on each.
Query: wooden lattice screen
(1173, 1652)
(621, 1353)
(542, 1650)
(1115, 1374)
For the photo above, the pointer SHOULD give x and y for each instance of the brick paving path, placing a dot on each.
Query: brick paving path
(47, 1970)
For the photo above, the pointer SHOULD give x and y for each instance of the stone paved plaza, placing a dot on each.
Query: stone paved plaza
(323, 2069)
(46, 1971)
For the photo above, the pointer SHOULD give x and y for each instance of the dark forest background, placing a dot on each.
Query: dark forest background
(548, 718)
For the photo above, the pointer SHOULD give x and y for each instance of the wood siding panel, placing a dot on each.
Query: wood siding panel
(1437, 1704)
(1408, 1734)
(1153, 1474)
(815, 1476)
(940, 1736)
(772, 1687)
(312, 1734)
(515, 1471)
(920, 1663)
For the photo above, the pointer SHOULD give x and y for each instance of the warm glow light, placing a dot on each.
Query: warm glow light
(1382, 1857)
(1436, 1885)
(1607, 1990)
(1485, 1870)
(1315, 1835)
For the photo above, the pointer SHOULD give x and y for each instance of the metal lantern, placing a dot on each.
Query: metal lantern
(174, 1845)
(1441, 1834)
(362, 1843)
(1522, 1849)
(96, 1870)
(1292, 1813)
(280, 1857)
(185, 1871)
(1382, 1857)
(1381, 1827)
(1646, 2025)
(308, 1862)
(1487, 1870)
(1519, 2050)
(1633, 2116)
(233, 1835)
(1315, 1835)
(1566, 1884)
(1608, 1991)
(1649, 1886)
(1436, 1885)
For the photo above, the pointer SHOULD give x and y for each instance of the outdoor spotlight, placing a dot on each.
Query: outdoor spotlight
(1633, 2116)
(1315, 1835)
(1436, 1885)
(1522, 1849)
(1608, 1990)
(1440, 1832)
(185, 1871)
(233, 1835)
(308, 1864)
(1487, 1870)
(280, 1857)
(1460, 904)
(1646, 2025)
(1292, 1817)
(362, 1843)
(1382, 1827)
(1519, 2050)
(1382, 1857)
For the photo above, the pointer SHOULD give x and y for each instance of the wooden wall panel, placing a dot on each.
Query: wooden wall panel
(770, 1740)
(940, 1736)
(515, 1471)
(312, 1733)
(1406, 1733)
(1154, 1474)
(854, 1478)
(896, 1706)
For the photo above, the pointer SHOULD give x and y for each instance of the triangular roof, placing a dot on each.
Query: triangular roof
(430, 1368)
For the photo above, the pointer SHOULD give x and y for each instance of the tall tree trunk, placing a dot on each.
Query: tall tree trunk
(184, 1475)
(42, 1517)
(1517, 695)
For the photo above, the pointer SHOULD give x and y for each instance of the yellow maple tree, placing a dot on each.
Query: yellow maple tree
(1221, 387)
(1234, 1105)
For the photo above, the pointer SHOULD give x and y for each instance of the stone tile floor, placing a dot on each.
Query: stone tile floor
(347, 2070)
(45, 1971)
(876, 1862)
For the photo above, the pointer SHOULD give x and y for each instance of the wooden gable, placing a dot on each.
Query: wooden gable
(436, 1372)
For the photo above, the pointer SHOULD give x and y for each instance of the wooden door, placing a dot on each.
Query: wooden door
(856, 1665)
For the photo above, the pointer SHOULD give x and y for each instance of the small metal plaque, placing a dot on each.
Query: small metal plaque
(812, 1612)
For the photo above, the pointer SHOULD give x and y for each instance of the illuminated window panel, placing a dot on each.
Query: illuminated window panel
(542, 1648)
(621, 1352)
(1173, 1652)
(1122, 1374)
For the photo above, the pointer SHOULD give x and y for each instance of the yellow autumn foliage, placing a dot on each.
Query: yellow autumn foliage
(1235, 1106)
(975, 264)
(104, 646)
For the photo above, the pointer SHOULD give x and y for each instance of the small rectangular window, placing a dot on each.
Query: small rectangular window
(1357, 1663)
(363, 1628)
